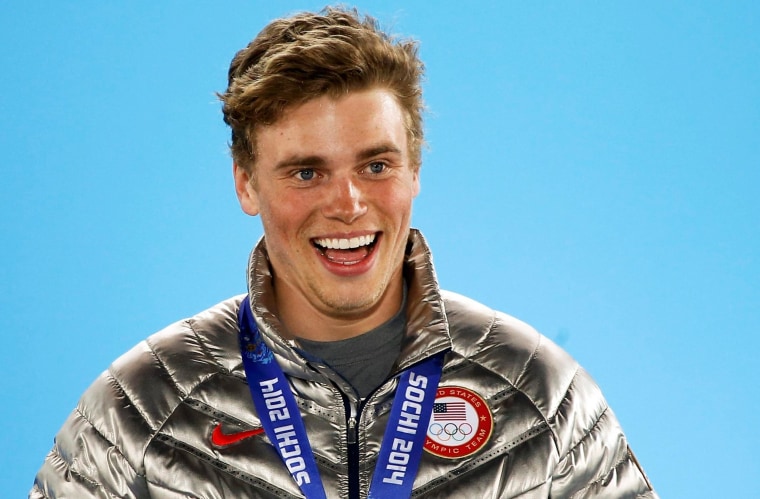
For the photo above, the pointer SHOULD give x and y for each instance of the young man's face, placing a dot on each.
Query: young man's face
(334, 187)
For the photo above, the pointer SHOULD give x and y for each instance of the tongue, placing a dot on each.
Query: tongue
(346, 255)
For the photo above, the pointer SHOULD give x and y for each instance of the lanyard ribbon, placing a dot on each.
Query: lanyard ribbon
(401, 449)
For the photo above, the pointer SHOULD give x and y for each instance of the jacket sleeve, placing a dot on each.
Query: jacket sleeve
(595, 459)
(85, 462)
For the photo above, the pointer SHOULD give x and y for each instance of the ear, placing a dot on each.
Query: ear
(416, 182)
(247, 195)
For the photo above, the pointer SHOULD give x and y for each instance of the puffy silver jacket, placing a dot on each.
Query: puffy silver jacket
(152, 424)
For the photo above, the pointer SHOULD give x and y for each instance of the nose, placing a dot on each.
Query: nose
(345, 201)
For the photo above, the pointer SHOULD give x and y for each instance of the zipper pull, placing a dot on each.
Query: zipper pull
(351, 430)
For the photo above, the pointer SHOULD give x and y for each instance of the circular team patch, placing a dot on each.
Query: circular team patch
(460, 425)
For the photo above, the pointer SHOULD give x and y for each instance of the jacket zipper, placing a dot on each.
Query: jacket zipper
(352, 440)
(352, 436)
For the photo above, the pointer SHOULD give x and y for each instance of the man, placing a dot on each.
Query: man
(345, 371)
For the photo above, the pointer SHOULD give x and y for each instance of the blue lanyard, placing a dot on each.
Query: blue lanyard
(401, 449)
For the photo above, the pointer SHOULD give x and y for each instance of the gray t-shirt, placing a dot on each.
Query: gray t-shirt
(365, 361)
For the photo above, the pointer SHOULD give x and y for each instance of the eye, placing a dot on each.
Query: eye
(377, 167)
(305, 174)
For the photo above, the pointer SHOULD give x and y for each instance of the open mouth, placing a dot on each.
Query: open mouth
(346, 251)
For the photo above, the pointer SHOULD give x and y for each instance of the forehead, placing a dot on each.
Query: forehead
(335, 126)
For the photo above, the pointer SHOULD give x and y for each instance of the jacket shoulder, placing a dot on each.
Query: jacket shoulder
(159, 372)
(125, 407)
(592, 456)
(561, 390)
(515, 351)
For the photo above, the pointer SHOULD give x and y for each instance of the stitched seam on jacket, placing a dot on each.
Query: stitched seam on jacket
(199, 382)
(559, 408)
(85, 479)
(217, 414)
(484, 335)
(165, 368)
(204, 347)
(137, 408)
(489, 329)
(227, 468)
(514, 384)
(179, 493)
(89, 422)
(482, 459)
(529, 362)
(605, 475)
(519, 378)
(213, 412)
(530, 490)
(101, 435)
(153, 431)
(587, 434)
(182, 395)
(113, 380)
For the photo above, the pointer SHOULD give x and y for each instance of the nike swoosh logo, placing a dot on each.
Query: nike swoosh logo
(221, 439)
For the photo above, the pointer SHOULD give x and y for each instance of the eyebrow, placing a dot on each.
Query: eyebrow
(300, 161)
(378, 150)
(314, 161)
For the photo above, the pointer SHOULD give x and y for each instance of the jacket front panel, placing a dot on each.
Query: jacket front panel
(146, 427)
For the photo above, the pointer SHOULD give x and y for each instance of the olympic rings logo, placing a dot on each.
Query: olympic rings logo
(450, 431)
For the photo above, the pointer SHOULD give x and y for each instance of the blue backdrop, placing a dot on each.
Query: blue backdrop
(592, 169)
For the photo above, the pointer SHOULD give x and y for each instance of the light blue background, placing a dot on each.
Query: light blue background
(592, 169)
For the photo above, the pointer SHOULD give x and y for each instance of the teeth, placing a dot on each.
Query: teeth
(353, 243)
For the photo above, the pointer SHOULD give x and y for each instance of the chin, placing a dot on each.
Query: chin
(350, 303)
(350, 306)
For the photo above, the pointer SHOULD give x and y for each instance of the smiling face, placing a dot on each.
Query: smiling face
(334, 184)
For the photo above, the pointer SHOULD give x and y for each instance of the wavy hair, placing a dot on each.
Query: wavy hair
(309, 55)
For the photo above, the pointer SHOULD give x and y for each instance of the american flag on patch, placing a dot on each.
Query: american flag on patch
(449, 411)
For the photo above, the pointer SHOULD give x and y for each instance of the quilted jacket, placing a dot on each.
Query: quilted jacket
(173, 417)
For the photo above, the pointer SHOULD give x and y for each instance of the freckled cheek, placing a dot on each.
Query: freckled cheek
(283, 213)
(294, 222)
(395, 195)
(297, 206)
(399, 204)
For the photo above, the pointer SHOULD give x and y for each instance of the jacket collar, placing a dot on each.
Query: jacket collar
(427, 331)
